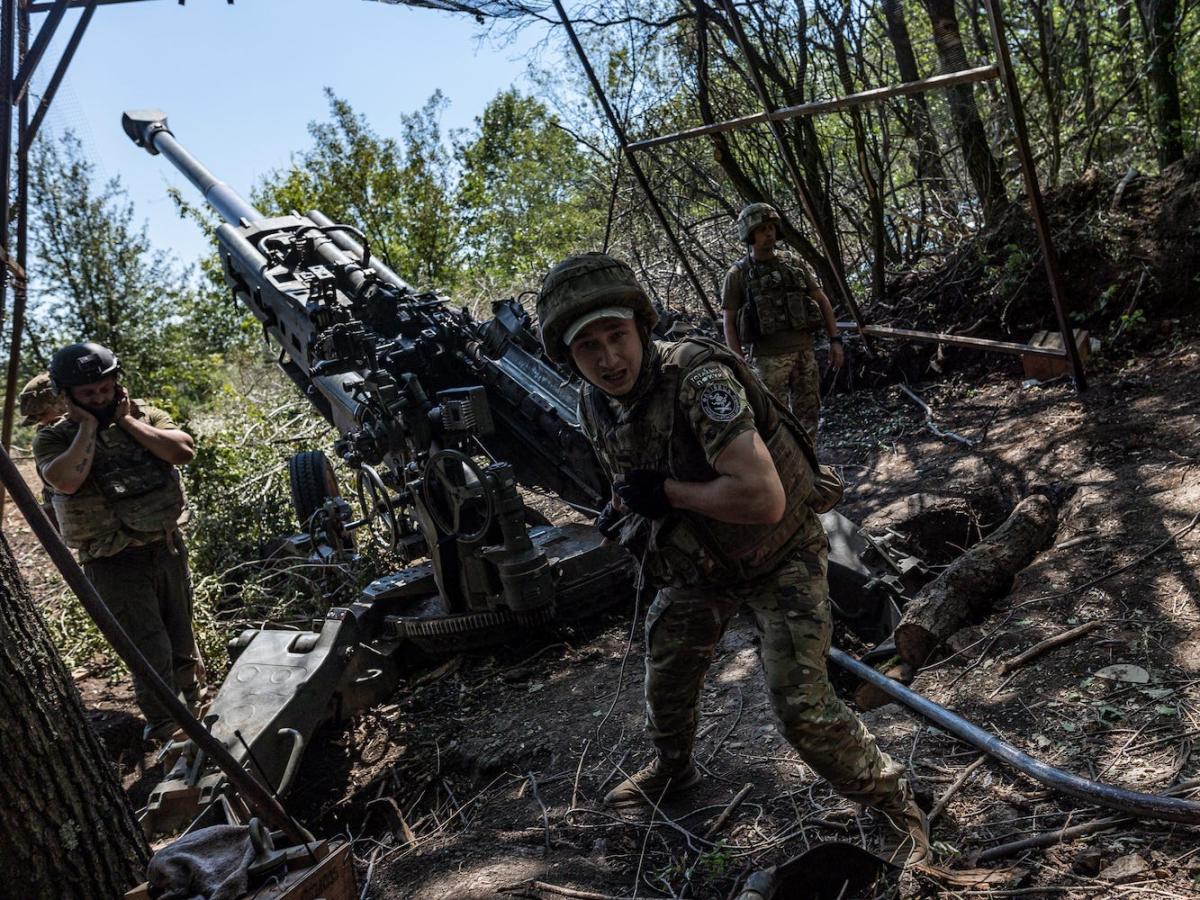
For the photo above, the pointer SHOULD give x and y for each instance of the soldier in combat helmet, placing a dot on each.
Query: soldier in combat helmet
(41, 405)
(773, 308)
(711, 481)
(119, 502)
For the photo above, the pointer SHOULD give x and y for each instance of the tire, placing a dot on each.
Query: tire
(313, 482)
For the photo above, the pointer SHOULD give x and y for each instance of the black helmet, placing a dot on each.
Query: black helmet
(78, 364)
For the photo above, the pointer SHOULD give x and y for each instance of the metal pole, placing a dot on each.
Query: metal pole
(634, 165)
(20, 282)
(1033, 189)
(31, 57)
(1134, 803)
(60, 70)
(806, 200)
(257, 797)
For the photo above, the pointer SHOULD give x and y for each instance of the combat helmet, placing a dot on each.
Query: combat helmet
(37, 398)
(583, 284)
(77, 364)
(754, 215)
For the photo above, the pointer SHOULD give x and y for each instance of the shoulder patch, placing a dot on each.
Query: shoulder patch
(719, 402)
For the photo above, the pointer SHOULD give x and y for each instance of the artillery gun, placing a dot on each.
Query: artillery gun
(440, 417)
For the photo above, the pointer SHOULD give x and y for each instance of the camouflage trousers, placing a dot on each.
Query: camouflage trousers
(792, 615)
(149, 592)
(794, 379)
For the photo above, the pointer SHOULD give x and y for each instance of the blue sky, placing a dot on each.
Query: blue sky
(241, 83)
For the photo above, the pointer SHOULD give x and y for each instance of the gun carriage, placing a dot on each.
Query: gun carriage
(440, 417)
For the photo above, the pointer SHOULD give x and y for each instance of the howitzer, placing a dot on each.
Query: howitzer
(440, 416)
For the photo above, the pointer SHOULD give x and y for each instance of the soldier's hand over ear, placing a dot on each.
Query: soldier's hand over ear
(124, 405)
(644, 492)
(77, 413)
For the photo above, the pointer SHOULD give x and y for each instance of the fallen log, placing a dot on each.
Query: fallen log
(974, 581)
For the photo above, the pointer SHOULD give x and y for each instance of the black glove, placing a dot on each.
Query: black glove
(643, 491)
(608, 523)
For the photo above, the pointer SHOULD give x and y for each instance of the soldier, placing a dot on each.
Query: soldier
(711, 480)
(117, 494)
(41, 406)
(773, 308)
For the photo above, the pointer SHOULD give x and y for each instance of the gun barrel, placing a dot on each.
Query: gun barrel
(148, 129)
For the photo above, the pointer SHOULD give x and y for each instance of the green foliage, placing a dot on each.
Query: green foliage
(523, 194)
(397, 192)
(99, 278)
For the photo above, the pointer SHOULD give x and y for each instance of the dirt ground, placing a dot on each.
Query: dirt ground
(483, 776)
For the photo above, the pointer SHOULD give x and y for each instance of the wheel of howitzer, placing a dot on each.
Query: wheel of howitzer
(313, 482)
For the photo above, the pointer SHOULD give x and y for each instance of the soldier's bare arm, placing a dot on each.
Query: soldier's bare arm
(171, 445)
(67, 472)
(747, 490)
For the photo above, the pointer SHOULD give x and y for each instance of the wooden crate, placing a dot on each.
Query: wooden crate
(1045, 367)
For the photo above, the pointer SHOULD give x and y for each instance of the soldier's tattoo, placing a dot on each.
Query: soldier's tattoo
(87, 456)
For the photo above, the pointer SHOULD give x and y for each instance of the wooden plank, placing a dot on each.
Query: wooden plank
(931, 337)
(820, 107)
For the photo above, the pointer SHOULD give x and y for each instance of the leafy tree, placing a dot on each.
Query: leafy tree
(99, 278)
(398, 192)
(523, 195)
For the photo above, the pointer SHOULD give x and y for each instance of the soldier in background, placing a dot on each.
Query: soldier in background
(711, 481)
(773, 308)
(119, 501)
(41, 405)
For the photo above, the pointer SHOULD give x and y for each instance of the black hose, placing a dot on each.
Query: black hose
(1133, 803)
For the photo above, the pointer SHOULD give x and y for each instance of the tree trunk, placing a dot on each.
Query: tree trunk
(974, 581)
(928, 159)
(1159, 21)
(1083, 43)
(981, 164)
(64, 819)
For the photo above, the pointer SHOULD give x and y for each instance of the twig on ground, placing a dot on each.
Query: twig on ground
(1125, 568)
(954, 788)
(736, 719)
(579, 769)
(1049, 643)
(931, 424)
(729, 810)
(545, 817)
(558, 890)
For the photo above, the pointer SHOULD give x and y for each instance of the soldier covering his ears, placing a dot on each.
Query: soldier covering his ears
(119, 502)
(711, 485)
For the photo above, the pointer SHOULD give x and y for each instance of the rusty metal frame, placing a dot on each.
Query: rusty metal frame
(1001, 70)
(16, 74)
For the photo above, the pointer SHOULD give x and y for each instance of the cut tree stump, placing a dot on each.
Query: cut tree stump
(974, 581)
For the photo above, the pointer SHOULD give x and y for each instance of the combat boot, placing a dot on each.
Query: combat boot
(654, 783)
(911, 826)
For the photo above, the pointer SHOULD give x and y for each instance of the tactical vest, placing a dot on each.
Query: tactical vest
(777, 299)
(684, 547)
(128, 488)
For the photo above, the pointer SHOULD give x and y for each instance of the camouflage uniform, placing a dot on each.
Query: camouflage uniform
(124, 522)
(40, 401)
(685, 410)
(783, 353)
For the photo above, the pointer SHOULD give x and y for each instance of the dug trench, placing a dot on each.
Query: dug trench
(483, 777)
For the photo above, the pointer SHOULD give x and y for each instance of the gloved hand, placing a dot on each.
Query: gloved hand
(609, 521)
(643, 491)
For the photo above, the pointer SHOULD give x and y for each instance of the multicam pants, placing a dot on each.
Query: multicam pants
(149, 592)
(791, 611)
(793, 378)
